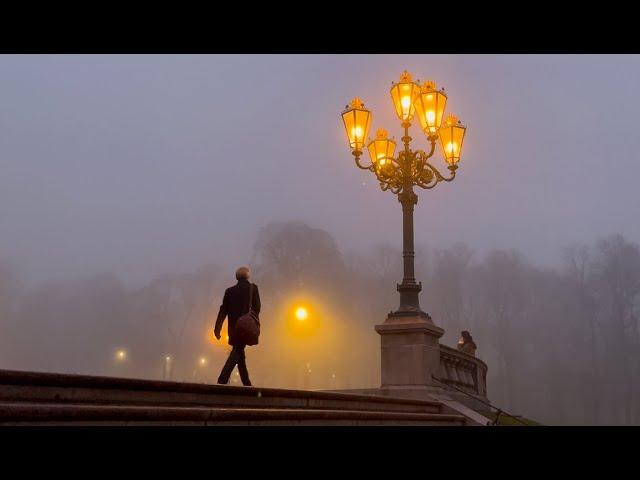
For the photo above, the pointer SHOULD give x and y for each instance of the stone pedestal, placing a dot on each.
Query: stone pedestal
(410, 351)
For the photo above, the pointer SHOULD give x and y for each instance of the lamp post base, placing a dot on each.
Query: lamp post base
(410, 350)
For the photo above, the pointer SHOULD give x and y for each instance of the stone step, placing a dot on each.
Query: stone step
(32, 387)
(24, 413)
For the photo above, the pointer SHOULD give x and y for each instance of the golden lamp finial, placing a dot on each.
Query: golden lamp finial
(429, 86)
(451, 120)
(356, 103)
(381, 134)
(405, 77)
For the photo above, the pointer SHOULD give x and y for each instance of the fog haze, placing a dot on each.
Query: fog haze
(142, 164)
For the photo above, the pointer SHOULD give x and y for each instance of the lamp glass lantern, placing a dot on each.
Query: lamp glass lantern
(430, 106)
(357, 121)
(381, 149)
(451, 137)
(404, 95)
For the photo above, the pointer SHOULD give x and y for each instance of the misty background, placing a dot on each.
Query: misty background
(132, 186)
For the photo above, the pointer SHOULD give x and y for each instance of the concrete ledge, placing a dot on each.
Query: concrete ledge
(12, 380)
(409, 325)
(46, 413)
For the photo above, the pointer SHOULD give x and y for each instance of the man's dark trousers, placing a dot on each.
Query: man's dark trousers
(236, 357)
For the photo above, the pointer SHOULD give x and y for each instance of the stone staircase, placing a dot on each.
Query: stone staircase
(34, 398)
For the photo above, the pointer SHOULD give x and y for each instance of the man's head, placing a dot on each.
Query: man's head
(243, 273)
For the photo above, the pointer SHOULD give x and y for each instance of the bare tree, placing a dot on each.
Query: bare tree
(616, 276)
(447, 287)
(577, 268)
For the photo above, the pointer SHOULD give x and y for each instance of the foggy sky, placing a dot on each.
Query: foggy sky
(141, 165)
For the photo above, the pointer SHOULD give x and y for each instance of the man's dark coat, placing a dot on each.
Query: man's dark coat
(235, 304)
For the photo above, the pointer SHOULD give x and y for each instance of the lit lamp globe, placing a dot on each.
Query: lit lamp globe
(404, 95)
(301, 314)
(451, 137)
(357, 121)
(381, 150)
(430, 106)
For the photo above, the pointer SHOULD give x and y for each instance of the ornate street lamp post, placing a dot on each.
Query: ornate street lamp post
(400, 174)
(409, 168)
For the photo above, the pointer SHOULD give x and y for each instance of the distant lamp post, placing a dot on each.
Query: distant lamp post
(121, 355)
(202, 362)
(408, 168)
(167, 368)
(307, 375)
(408, 334)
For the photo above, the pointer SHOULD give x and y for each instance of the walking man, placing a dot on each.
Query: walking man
(235, 304)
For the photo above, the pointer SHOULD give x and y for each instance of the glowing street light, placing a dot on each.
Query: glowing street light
(121, 355)
(202, 362)
(408, 168)
(302, 314)
(307, 374)
(166, 373)
(302, 318)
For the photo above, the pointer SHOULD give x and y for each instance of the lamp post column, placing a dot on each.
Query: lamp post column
(409, 289)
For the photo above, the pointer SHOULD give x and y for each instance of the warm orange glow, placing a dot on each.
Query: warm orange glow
(404, 95)
(302, 314)
(357, 121)
(430, 106)
(121, 354)
(313, 344)
(203, 361)
(224, 336)
(302, 319)
(451, 137)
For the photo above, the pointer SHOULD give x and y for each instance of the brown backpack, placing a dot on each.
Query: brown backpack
(247, 331)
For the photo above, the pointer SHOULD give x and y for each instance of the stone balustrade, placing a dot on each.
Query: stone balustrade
(463, 371)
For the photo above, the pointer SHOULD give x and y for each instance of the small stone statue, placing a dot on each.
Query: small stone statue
(466, 343)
